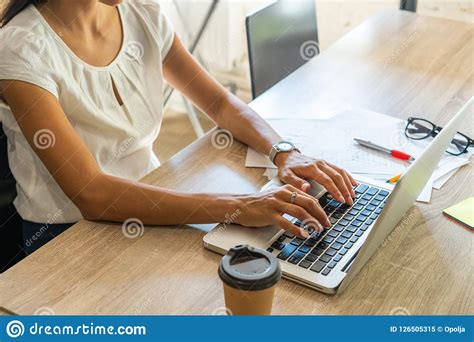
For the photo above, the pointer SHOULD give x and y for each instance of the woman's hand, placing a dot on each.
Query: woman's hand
(266, 208)
(296, 169)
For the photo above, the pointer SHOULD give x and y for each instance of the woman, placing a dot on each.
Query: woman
(81, 84)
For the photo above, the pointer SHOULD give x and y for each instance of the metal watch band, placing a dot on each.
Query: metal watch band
(274, 150)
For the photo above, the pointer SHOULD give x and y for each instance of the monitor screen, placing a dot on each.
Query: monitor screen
(281, 37)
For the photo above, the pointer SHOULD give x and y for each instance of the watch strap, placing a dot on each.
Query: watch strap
(275, 150)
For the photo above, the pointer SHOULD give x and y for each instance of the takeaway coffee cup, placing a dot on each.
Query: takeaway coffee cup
(249, 275)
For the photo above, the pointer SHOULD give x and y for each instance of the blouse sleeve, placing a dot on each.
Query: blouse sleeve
(24, 57)
(160, 25)
(166, 33)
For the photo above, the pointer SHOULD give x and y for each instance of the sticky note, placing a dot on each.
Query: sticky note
(462, 212)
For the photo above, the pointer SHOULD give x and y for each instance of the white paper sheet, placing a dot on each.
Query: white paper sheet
(440, 182)
(425, 195)
(449, 164)
(331, 139)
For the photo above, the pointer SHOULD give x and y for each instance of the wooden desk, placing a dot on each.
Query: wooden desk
(397, 63)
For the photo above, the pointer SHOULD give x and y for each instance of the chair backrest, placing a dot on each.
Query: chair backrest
(10, 222)
(408, 5)
(7, 182)
(281, 37)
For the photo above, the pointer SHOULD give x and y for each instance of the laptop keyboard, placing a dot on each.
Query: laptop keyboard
(322, 251)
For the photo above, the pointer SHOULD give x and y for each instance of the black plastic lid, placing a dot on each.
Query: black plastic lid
(250, 269)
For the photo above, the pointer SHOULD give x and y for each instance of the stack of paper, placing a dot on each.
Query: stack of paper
(332, 139)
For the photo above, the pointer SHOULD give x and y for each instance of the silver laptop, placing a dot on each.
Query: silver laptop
(328, 261)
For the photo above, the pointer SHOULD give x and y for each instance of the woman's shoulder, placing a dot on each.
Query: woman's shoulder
(144, 5)
(26, 52)
(150, 15)
(149, 10)
(23, 36)
(25, 23)
(20, 40)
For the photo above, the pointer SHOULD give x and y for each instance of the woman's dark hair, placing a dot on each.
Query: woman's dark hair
(13, 7)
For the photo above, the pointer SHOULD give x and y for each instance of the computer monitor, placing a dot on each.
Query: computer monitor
(281, 37)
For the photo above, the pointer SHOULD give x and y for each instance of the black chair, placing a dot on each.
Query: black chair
(408, 5)
(281, 37)
(11, 238)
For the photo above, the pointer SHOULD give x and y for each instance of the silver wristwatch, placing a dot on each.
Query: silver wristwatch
(282, 146)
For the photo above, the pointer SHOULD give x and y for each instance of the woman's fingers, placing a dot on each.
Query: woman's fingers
(311, 205)
(353, 181)
(289, 177)
(288, 226)
(290, 196)
(347, 179)
(326, 181)
(302, 215)
(339, 181)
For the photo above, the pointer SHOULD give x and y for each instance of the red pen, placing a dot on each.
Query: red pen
(394, 153)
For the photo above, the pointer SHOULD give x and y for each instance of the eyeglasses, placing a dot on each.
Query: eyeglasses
(418, 129)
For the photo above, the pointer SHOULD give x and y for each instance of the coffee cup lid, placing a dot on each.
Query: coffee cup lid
(250, 269)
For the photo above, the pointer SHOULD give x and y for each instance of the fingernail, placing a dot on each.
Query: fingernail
(340, 198)
(328, 223)
(305, 186)
(349, 201)
(304, 233)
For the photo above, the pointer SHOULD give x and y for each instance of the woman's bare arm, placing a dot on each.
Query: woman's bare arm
(184, 73)
(103, 197)
(97, 195)
(231, 113)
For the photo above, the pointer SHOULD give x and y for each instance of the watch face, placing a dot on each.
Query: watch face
(285, 147)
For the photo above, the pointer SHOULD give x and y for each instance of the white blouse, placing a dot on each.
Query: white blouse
(120, 139)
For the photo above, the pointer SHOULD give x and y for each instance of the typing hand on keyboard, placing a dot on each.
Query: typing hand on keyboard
(295, 168)
(266, 208)
(322, 251)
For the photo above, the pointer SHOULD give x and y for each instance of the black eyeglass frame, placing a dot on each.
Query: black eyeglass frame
(434, 132)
